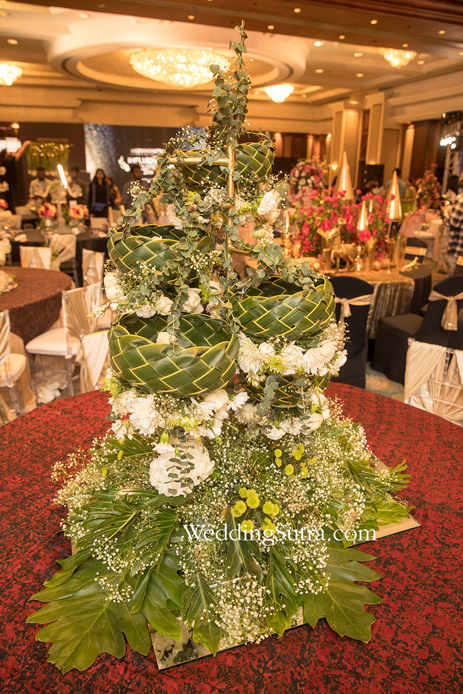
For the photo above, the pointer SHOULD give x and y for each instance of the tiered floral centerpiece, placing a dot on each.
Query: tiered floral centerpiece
(229, 488)
(307, 174)
(428, 188)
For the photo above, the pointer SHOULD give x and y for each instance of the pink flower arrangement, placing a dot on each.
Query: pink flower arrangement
(78, 212)
(328, 212)
(47, 210)
(428, 188)
(308, 174)
(3, 204)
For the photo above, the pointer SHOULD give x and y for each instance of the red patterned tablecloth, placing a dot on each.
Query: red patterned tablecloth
(416, 645)
(36, 302)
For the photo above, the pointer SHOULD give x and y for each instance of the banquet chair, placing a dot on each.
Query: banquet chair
(354, 299)
(415, 248)
(12, 366)
(92, 266)
(458, 267)
(35, 257)
(440, 325)
(434, 380)
(63, 248)
(78, 341)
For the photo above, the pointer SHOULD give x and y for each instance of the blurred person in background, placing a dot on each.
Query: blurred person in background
(127, 197)
(39, 188)
(402, 184)
(409, 198)
(77, 188)
(115, 198)
(98, 195)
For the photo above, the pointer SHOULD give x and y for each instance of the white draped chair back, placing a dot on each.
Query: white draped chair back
(63, 248)
(12, 366)
(434, 380)
(5, 250)
(77, 305)
(92, 266)
(4, 336)
(35, 257)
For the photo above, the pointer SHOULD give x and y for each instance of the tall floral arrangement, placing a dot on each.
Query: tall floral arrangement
(322, 213)
(228, 488)
(428, 188)
(308, 174)
(47, 210)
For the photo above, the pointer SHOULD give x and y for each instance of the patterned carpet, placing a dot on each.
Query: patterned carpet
(377, 382)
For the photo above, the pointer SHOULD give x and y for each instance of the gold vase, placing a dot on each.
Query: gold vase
(368, 258)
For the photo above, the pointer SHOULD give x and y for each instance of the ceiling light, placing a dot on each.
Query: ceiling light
(397, 58)
(304, 96)
(420, 62)
(279, 92)
(342, 37)
(359, 74)
(442, 31)
(177, 66)
(319, 71)
(9, 74)
(405, 45)
(353, 102)
(358, 55)
(191, 16)
(297, 10)
(374, 21)
(460, 53)
(318, 43)
(12, 41)
(84, 15)
(15, 126)
(270, 26)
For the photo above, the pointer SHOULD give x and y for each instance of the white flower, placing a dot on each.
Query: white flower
(264, 234)
(267, 350)
(193, 303)
(315, 359)
(113, 290)
(268, 207)
(215, 287)
(292, 358)
(238, 401)
(159, 468)
(273, 433)
(250, 357)
(163, 305)
(291, 426)
(123, 403)
(145, 418)
(246, 414)
(165, 339)
(145, 311)
(122, 429)
(341, 360)
(164, 449)
(99, 311)
(212, 310)
(173, 219)
(314, 421)
(217, 398)
(221, 414)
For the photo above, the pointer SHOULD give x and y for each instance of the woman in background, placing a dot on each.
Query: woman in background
(98, 195)
(409, 198)
(114, 193)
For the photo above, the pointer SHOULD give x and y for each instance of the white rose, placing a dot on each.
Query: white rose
(165, 339)
(314, 421)
(292, 357)
(215, 287)
(193, 303)
(273, 433)
(266, 350)
(292, 427)
(163, 305)
(201, 460)
(113, 290)
(268, 207)
(217, 398)
(246, 414)
(221, 414)
(164, 449)
(145, 311)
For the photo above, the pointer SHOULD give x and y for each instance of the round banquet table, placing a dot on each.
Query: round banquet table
(416, 644)
(35, 304)
(86, 240)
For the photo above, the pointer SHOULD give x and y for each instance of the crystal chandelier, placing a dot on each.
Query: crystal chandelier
(177, 66)
(279, 92)
(9, 74)
(397, 58)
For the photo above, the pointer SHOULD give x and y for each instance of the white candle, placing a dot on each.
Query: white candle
(62, 176)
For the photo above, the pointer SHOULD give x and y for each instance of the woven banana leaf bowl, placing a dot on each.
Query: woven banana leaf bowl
(254, 160)
(203, 359)
(277, 308)
(149, 245)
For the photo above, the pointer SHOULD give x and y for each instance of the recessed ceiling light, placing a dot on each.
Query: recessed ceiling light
(191, 16)
(319, 71)
(304, 96)
(297, 10)
(12, 41)
(358, 55)
(420, 62)
(270, 26)
(353, 102)
(342, 37)
(374, 21)
(359, 74)
(442, 31)
(405, 45)
(318, 43)
(84, 15)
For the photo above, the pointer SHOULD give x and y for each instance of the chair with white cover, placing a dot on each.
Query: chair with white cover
(434, 380)
(92, 266)
(35, 257)
(63, 248)
(77, 341)
(415, 248)
(354, 301)
(12, 366)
